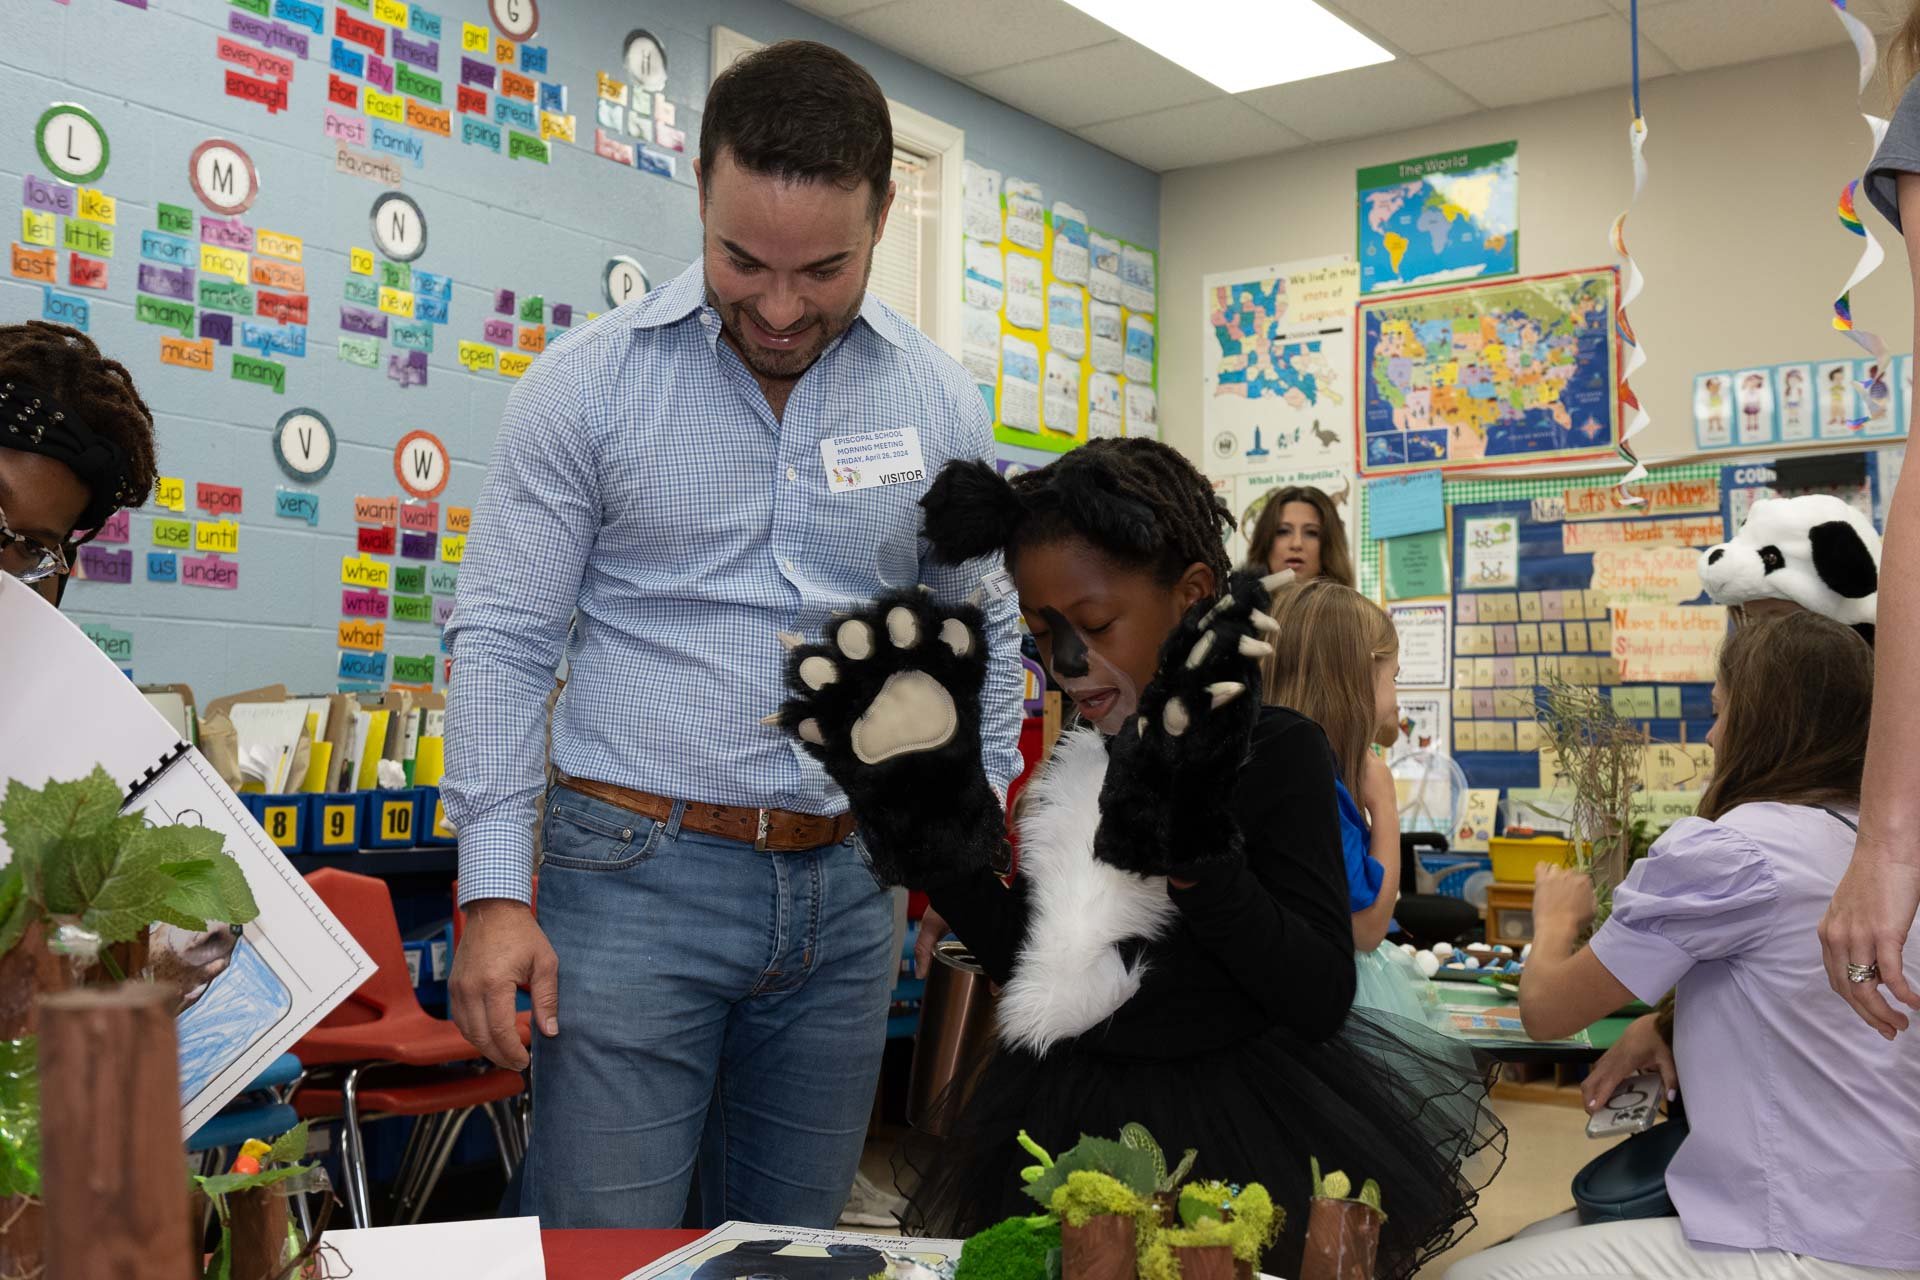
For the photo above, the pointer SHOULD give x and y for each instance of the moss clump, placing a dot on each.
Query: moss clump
(1087, 1194)
(1214, 1214)
(1016, 1249)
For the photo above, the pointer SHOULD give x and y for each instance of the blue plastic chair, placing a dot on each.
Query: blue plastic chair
(248, 1116)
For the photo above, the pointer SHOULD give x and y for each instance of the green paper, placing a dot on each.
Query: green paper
(252, 6)
(533, 309)
(525, 146)
(81, 236)
(176, 218)
(1669, 702)
(410, 82)
(224, 295)
(412, 609)
(410, 581)
(1416, 565)
(117, 645)
(165, 312)
(365, 292)
(1633, 702)
(396, 275)
(443, 579)
(364, 352)
(265, 373)
(413, 670)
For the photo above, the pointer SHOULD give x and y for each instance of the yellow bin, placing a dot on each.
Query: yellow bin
(1513, 860)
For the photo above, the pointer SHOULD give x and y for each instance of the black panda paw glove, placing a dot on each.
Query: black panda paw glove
(1165, 806)
(889, 703)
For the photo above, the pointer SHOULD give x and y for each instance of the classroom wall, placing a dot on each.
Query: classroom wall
(1736, 231)
(151, 75)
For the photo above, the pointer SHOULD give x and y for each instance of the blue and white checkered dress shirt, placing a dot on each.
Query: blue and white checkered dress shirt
(647, 516)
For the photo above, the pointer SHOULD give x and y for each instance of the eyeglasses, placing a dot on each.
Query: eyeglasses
(28, 559)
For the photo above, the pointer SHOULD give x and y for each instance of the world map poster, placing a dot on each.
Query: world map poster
(1440, 219)
(1519, 371)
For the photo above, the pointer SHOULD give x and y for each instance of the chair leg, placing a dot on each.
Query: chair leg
(428, 1130)
(353, 1152)
(502, 1124)
(439, 1165)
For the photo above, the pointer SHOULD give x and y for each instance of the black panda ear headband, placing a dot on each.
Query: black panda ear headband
(972, 510)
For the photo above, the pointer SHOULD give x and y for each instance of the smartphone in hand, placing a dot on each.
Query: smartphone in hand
(1633, 1108)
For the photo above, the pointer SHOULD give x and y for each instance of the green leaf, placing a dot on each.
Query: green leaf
(1181, 1170)
(1132, 1168)
(1370, 1194)
(40, 824)
(220, 1266)
(1318, 1181)
(1136, 1135)
(206, 889)
(222, 1184)
(15, 910)
(181, 843)
(290, 1146)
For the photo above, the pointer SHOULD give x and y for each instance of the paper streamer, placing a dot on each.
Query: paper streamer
(1631, 282)
(1633, 356)
(1872, 255)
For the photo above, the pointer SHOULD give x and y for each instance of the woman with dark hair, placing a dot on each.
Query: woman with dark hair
(1300, 529)
(1799, 1158)
(1176, 947)
(76, 445)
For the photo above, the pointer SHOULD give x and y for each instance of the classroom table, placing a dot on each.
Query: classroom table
(1602, 1034)
(607, 1255)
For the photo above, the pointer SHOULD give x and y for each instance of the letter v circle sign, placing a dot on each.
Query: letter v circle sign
(421, 464)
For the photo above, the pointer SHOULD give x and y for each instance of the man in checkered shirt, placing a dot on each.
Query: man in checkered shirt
(660, 506)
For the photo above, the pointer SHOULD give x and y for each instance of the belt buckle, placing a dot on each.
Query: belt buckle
(763, 825)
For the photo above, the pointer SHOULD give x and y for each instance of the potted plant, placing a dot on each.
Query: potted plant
(1222, 1232)
(1166, 1191)
(1102, 1192)
(1343, 1230)
(84, 884)
(1603, 758)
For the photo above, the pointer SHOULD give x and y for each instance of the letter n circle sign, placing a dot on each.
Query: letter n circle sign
(421, 464)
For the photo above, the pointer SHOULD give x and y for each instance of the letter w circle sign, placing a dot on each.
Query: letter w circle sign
(421, 464)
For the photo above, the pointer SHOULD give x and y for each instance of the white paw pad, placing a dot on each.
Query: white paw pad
(818, 672)
(1175, 718)
(1201, 649)
(809, 731)
(903, 628)
(855, 639)
(954, 634)
(912, 712)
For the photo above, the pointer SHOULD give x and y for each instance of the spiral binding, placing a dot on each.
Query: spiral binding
(150, 777)
(1877, 388)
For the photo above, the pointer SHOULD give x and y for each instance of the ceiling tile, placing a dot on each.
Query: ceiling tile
(1717, 33)
(1352, 104)
(987, 35)
(1199, 133)
(835, 9)
(1422, 26)
(1106, 82)
(1559, 63)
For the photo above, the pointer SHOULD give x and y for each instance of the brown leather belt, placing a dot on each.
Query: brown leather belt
(767, 830)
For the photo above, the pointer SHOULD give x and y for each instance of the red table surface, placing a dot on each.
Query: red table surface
(607, 1255)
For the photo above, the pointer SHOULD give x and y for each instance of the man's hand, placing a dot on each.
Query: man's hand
(501, 949)
(933, 927)
(1639, 1047)
(1867, 923)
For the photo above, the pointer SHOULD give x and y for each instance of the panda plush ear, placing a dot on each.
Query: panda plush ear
(1843, 561)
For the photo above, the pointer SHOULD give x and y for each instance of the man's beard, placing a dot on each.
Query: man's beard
(784, 365)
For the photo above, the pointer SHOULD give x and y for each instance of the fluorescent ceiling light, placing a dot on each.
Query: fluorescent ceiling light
(1241, 44)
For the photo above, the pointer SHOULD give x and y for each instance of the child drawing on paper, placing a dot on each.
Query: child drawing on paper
(1837, 396)
(1793, 395)
(235, 1010)
(1716, 389)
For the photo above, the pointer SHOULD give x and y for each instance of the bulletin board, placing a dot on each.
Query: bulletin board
(1060, 319)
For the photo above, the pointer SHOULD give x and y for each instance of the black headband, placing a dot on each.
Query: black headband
(32, 421)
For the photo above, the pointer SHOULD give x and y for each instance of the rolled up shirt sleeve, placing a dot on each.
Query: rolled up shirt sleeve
(1706, 892)
(535, 526)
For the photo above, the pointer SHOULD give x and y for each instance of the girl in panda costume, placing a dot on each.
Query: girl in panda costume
(1176, 948)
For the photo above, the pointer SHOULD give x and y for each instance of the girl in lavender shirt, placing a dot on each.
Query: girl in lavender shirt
(1803, 1157)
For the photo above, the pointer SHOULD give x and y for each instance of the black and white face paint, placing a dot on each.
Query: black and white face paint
(1106, 696)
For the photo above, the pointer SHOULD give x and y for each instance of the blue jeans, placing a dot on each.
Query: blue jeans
(716, 1003)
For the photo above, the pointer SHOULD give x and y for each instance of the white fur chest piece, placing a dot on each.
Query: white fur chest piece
(1070, 977)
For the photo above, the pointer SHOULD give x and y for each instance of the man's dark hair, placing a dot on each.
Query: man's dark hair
(802, 112)
(1136, 500)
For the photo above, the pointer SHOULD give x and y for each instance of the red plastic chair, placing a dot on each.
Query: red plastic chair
(428, 1069)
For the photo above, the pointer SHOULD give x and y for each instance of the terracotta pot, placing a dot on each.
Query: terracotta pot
(1343, 1238)
(1104, 1249)
(1213, 1262)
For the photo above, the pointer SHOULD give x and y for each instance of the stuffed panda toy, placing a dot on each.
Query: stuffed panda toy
(1814, 550)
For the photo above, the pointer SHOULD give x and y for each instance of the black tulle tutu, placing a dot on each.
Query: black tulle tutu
(1385, 1099)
